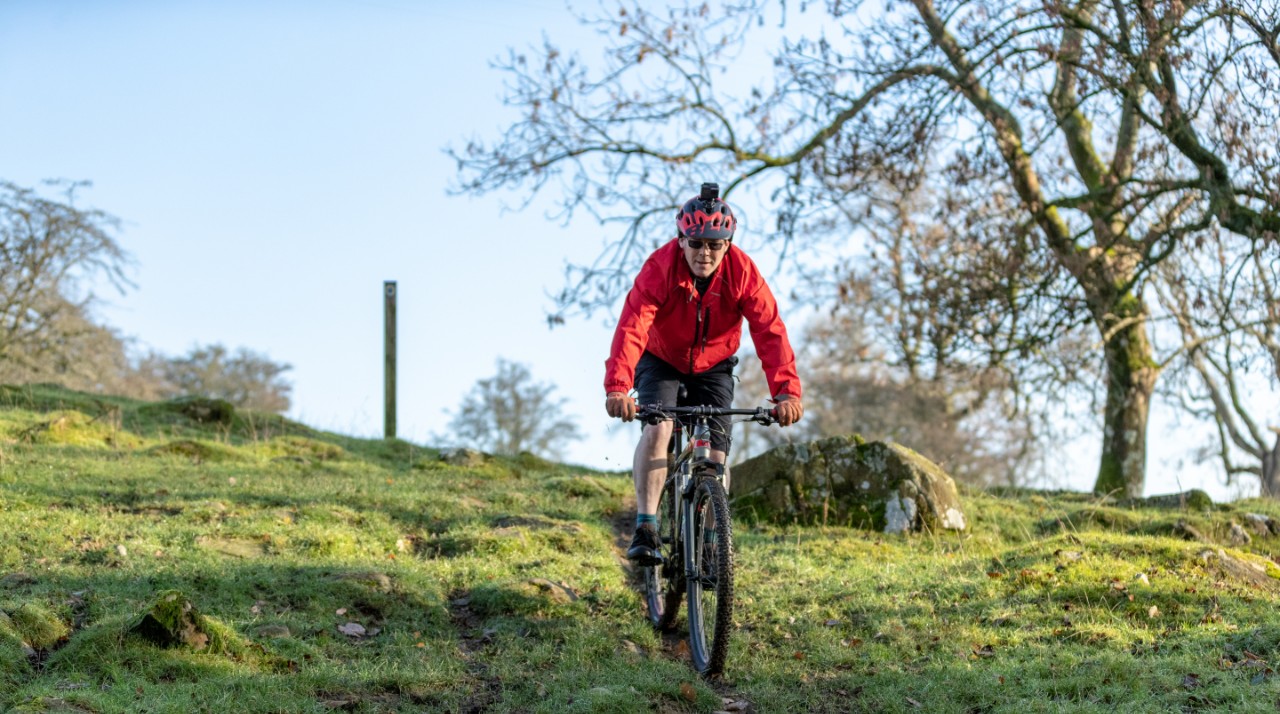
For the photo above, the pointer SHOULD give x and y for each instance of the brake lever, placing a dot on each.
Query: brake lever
(650, 415)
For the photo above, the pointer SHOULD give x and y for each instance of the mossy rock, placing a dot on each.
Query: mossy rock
(578, 486)
(536, 596)
(1192, 500)
(302, 448)
(463, 457)
(35, 624)
(174, 621)
(74, 428)
(201, 410)
(533, 462)
(1246, 568)
(847, 481)
(196, 450)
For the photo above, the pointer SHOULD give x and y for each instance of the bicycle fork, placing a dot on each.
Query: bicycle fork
(700, 445)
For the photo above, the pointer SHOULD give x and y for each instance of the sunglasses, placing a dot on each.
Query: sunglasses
(715, 246)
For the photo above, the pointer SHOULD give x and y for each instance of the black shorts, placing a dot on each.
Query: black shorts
(657, 382)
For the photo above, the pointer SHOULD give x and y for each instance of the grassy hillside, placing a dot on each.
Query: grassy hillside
(339, 574)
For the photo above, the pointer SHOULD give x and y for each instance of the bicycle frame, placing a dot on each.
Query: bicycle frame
(692, 458)
(696, 534)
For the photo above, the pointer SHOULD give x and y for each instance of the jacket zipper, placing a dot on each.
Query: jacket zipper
(697, 331)
(702, 325)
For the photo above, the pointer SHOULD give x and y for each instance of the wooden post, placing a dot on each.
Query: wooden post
(389, 352)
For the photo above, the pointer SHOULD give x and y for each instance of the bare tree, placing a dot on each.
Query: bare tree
(510, 412)
(1225, 302)
(49, 250)
(245, 378)
(1080, 142)
(962, 420)
(77, 354)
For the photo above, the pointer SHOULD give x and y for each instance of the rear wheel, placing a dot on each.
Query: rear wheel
(664, 584)
(710, 577)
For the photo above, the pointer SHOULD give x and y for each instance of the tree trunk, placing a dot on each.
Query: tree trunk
(1271, 471)
(1131, 374)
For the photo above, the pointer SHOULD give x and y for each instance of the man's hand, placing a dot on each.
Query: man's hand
(789, 410)
(620, 406)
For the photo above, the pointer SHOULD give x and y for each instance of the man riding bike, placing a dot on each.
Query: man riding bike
(681, 325)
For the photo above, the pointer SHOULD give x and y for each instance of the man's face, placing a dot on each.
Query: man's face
(705, 258)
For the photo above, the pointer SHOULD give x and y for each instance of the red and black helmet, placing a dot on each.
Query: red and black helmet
(706, 216)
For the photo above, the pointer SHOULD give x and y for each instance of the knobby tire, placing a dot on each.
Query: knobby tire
(710, 606)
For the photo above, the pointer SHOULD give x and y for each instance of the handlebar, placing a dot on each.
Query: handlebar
(654, 413)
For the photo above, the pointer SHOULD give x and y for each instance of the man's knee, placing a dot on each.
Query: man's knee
(656, 436)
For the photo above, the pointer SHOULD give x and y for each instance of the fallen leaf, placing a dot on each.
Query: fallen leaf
(993, 575)
(682, 649)
(1154, 612)
(914, 703)
(1191, 681)
(352, 629)
(232, 480)
(852, 642)
(421, 644)
(985, 651)
(731, 705)
(798, 654)
(632, 648)
(340, 611)
(688, 692)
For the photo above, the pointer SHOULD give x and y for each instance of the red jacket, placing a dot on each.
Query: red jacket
(664, 315)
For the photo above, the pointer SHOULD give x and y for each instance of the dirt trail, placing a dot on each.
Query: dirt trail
(674, 644)
(472, 642)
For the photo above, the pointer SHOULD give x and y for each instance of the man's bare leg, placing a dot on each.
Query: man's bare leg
(649, 468)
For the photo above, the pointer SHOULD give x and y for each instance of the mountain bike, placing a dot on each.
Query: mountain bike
(695, 534)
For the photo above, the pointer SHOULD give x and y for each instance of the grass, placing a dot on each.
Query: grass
(499, 587)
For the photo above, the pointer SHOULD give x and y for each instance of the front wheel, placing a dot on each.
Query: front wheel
(709, 577)
(664, 584)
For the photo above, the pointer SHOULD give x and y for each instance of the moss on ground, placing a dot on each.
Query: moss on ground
(333, 573)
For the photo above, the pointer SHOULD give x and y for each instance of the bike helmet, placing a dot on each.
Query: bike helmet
(706, 216)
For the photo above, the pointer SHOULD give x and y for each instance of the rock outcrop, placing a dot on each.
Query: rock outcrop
(843, 480)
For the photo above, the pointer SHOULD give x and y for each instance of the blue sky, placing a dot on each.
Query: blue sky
(275, 162)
